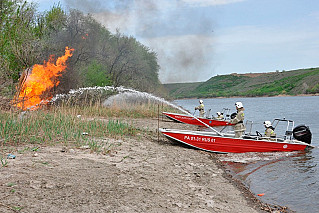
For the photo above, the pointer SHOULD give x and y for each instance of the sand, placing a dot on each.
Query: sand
(146, 173)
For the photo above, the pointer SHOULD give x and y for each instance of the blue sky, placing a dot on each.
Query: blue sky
(198, 39)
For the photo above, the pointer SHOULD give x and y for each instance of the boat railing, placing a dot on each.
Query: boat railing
(288, 133)
(249, 127)
(225, 112)
(249, 134)
(208, 114)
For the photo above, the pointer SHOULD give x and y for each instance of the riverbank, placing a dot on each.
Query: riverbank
(147, 173)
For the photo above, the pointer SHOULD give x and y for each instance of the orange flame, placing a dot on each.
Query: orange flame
(42, 78)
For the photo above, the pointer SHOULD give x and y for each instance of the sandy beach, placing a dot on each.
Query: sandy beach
(144, 174)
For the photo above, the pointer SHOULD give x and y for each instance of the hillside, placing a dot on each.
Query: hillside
(294, 82)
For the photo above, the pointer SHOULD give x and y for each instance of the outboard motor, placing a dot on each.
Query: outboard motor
(302, 133)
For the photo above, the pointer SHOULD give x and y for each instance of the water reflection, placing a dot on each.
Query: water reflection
(306, 162)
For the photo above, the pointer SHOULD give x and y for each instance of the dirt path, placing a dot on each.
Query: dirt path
(140, 175)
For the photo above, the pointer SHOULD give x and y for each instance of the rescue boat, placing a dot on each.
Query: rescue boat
(293, 139)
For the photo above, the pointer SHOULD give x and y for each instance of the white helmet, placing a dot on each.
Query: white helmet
(201, 101)
(218, 113)
(239, 104)
(267, 124)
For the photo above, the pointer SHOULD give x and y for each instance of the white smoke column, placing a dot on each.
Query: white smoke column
(182, 41)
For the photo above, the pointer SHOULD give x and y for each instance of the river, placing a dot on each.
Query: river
(283, 178)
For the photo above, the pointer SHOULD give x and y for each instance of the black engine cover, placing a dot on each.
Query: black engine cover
(302, 133)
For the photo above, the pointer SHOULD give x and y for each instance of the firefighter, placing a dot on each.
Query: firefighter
(220, 116)
(238, 120)
(200, 108)
(269, 131)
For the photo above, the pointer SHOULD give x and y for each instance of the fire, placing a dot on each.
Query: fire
(35, 83)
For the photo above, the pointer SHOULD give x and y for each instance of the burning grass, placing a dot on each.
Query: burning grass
(35, 83)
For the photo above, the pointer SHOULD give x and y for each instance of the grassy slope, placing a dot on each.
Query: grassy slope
(303, 81)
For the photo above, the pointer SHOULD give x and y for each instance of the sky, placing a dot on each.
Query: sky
(199, 39)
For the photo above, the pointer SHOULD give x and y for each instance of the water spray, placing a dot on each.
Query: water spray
(74, 93)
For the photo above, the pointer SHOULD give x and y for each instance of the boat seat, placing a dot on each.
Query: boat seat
(288, 134)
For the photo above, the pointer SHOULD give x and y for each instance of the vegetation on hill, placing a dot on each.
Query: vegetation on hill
(295, 82)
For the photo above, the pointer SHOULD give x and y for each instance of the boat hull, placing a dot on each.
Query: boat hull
(215, 143)
(182, 118)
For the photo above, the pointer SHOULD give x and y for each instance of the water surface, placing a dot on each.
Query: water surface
(286, 178)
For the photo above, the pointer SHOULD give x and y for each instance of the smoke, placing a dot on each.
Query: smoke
(186, 58)
(180, 34)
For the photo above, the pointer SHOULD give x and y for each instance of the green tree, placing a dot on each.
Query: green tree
(96, 75)
(16, 36)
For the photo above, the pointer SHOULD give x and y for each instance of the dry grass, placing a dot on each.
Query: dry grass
(142, 110)
(70, 126)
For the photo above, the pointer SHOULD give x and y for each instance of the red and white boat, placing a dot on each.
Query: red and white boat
(188, 119)
(295, 140)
